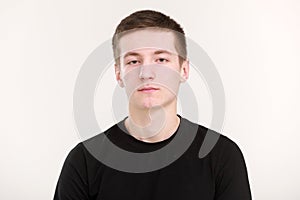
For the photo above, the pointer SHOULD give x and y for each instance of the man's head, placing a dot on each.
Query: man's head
(150, 51)
(149, 19)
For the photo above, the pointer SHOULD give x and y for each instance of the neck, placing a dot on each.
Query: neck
(153, 124)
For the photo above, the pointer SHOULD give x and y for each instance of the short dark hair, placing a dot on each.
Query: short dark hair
(150, 19)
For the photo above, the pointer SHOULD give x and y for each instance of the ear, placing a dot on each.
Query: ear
(118, 75)
(184, 70)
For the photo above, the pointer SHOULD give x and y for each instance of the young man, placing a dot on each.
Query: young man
(150, 64)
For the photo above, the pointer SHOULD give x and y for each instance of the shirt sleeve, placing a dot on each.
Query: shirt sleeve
(231, 173)
(72, 182)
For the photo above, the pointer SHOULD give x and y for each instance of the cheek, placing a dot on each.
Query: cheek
(131, 80)
(169, 92)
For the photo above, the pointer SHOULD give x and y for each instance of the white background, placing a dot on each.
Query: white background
(254, 44)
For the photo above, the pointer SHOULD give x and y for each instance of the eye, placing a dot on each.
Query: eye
(132, 62)
(162, 60)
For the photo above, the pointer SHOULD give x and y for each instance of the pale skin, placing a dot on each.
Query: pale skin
(152, 105)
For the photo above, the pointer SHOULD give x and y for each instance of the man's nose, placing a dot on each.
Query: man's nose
(147, 72)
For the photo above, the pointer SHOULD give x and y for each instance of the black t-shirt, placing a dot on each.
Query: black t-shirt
(220, 175)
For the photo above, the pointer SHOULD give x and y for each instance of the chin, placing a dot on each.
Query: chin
(145, 103)
(148, 105)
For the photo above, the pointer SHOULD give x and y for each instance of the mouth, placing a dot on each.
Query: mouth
(148, 89)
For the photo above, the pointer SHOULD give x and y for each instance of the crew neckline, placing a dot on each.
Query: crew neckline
(125, 132)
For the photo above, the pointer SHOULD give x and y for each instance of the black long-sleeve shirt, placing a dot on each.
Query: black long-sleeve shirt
(220, 175)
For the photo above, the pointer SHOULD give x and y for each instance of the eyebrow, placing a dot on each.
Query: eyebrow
(156, 53)
(162, 51)
(131, 54)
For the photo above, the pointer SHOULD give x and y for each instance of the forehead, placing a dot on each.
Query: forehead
(147, 38)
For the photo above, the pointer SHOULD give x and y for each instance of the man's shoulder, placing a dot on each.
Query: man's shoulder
(215, 142)
(220, 146)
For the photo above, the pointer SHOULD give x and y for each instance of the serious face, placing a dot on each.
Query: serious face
(149, 68)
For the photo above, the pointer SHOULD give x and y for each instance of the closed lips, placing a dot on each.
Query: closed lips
(148, 88)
